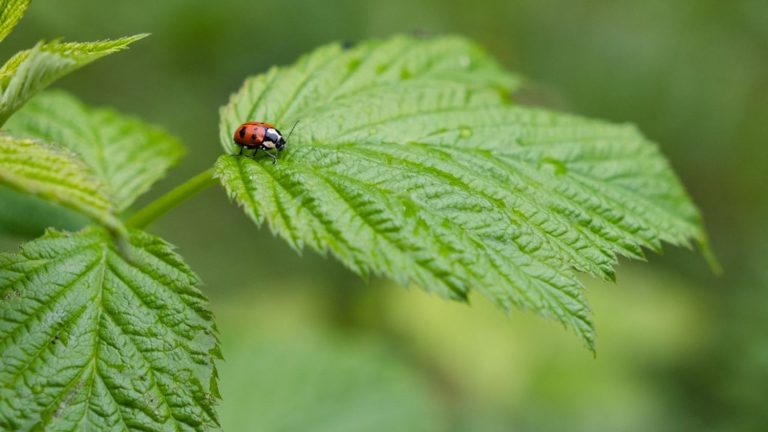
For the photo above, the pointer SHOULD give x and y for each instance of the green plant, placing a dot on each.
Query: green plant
(411, 161)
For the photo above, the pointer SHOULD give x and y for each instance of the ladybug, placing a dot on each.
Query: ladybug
(260, 135)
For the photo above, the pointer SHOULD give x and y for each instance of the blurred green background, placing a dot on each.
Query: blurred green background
(309, 346)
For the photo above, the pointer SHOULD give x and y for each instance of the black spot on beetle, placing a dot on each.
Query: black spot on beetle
(253, 137)
(242, 132)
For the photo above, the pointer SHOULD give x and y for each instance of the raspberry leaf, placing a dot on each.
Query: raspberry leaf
(409, 161)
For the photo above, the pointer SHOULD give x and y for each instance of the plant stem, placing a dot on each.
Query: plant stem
(173, 198)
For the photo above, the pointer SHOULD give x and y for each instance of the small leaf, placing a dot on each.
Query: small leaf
(95, 339)
(56, 175)
(432, 177)
(32, 70)
(126, 153)
(11, 12)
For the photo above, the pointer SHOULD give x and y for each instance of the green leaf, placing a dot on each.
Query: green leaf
(95, 337)
(56, 175)
(32, 70)
(127, 154)
(11, 12)
(409, 162)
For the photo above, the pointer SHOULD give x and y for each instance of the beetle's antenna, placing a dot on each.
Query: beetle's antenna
(294, 127)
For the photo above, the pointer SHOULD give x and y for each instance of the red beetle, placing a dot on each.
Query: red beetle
(260, 135)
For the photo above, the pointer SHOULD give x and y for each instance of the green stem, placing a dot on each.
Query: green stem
(165, 203)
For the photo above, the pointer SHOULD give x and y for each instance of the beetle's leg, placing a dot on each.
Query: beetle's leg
(274, 158)
(241, 151)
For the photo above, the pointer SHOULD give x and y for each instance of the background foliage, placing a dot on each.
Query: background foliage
(679, 348)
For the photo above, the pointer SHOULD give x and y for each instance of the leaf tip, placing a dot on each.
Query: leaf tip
(709, 255)
(134, 38)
